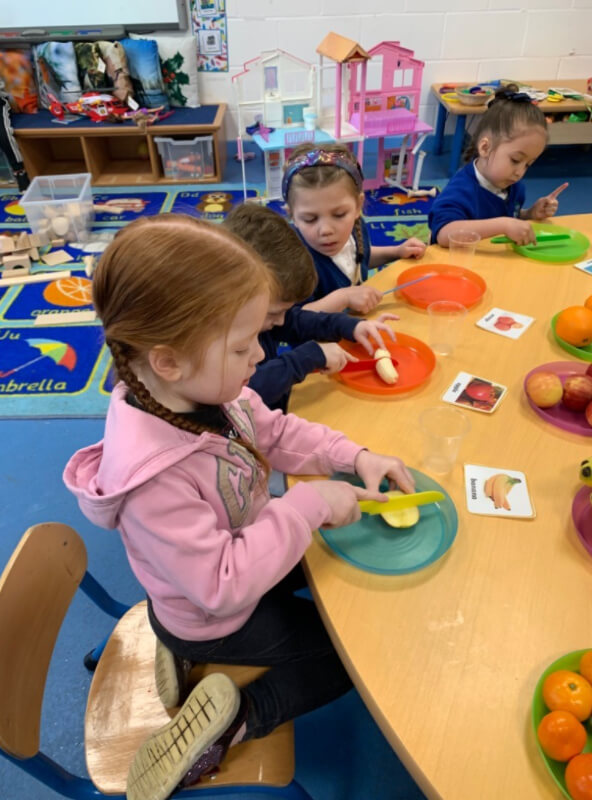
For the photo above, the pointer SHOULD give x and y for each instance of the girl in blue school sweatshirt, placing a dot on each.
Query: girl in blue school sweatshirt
(487, 195)
(323, 189)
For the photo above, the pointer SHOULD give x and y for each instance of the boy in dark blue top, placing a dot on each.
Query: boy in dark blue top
(486, 196)
(311, 335)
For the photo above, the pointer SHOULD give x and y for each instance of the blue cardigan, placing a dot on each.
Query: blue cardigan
(465, 198)
(330, 276)
(276, 374)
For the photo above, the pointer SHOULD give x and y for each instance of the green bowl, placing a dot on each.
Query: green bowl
(585, 353)
(570, 661)
(563, 251)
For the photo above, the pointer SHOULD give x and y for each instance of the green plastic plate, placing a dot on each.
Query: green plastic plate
(585, 353)
(570, 661)
(559, 252)
(373, 546)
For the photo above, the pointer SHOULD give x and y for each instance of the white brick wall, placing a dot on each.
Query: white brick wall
(460, 40)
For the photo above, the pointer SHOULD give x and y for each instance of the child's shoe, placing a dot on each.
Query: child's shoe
(171, 674)
(167, 756)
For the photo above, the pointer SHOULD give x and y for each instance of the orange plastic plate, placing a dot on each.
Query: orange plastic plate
(450, 283)
(416, 362)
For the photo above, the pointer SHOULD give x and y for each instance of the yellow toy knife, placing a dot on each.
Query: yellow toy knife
(400, 502)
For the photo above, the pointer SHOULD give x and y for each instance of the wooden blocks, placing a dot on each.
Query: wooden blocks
(56, 257)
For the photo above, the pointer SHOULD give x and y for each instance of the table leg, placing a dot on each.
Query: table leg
(440, 123)
(457, 144)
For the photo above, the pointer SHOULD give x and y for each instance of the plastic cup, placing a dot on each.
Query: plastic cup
(462, 246)
(447, 320)
(443, 430)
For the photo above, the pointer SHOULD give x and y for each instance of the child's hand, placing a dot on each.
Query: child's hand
(412, 248)
(520, 231)
(343, 498)
(335, 357)
(373, 467)
(369, 329)
(547, 206)
(363, 298)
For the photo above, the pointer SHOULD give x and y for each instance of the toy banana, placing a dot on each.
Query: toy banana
(497, 488)
(385, 367)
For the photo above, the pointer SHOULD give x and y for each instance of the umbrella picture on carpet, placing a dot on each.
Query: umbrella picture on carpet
(61, 353)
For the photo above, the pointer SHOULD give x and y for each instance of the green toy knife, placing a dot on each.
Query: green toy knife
(399, 502)
(540, 237)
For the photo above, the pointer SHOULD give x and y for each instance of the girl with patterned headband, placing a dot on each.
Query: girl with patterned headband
(323, 191)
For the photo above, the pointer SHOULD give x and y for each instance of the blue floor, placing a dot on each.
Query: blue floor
(340, 753)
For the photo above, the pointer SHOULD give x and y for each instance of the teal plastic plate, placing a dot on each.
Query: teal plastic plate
(570, 661)
(373, 546)
(585, 353)
(565, 250)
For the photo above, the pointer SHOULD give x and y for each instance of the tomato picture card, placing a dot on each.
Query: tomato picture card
(498, 492)
(505, 323)
(478, 394)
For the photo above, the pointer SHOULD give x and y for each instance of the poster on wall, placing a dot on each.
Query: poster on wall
(208, 18)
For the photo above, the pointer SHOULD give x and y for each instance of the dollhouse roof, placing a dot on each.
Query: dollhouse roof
(397, 50)
(268, 55)
(339, 48)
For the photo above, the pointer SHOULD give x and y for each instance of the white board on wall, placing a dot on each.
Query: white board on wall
(33, 15)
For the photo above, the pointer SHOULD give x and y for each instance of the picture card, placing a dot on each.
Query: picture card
(479, 394)
(585, 266)
(505, 323)
(498, 492)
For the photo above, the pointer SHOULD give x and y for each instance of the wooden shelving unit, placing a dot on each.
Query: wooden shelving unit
(115, 155)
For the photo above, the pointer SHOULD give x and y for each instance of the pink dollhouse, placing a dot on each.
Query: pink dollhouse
(389, 110)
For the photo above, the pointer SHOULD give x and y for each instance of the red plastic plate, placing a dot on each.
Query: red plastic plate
(449, 283)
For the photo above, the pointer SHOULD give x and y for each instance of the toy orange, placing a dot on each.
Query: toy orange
(578, 777)
(71, 292)
(574, 325)
(561, 735)
(586, 665)
(564, 690)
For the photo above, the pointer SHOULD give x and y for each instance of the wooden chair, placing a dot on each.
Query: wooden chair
(123, 708)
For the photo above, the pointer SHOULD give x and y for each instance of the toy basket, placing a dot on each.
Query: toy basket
(476, 98)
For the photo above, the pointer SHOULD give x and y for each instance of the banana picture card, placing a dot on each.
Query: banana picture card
(505, 323)
(497, 492)
(478, 394)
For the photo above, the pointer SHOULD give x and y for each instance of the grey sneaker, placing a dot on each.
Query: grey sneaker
(171, 674)
(164, 759)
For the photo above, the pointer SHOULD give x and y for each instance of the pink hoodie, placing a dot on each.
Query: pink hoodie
(201, 533)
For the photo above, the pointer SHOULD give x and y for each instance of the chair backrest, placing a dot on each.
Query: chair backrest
(36, 589)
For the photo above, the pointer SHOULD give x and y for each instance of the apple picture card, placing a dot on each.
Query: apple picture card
(498, 492)
(505, 323)
(475, 393)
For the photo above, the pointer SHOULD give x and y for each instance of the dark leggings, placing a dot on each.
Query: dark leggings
(285, 633)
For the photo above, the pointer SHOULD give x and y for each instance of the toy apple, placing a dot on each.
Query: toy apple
(577, 392)
(544, 389)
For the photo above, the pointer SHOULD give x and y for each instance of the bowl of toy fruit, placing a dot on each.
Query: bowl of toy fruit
(474, 95)
(561, 393)
(572, 329)
(561, 709)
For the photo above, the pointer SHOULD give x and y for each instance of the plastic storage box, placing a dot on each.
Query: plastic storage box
(184, 159)
(60, 206)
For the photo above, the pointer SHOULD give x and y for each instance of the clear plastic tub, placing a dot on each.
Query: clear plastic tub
(186, 159)
(60, 206)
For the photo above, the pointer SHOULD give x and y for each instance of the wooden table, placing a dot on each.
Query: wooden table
(446, 659)
(559, 132)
